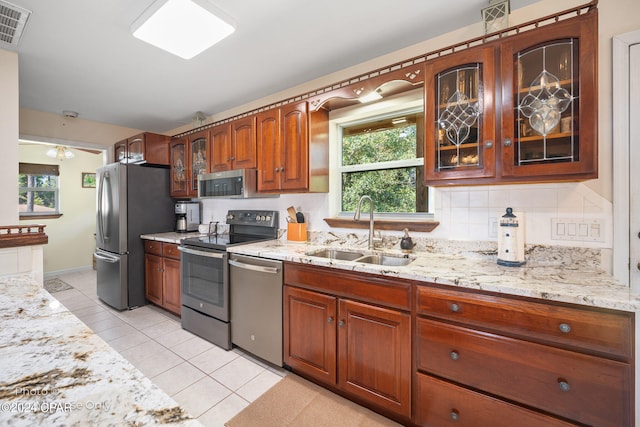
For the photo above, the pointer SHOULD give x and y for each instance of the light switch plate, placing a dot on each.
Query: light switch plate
(578, 229)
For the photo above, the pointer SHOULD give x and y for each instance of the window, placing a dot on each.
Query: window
(38, 190)
(381, 156)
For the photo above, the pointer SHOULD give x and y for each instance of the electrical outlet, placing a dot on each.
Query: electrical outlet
(584, 230)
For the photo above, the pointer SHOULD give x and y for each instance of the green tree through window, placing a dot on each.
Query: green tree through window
(382, 158)
(38, 189)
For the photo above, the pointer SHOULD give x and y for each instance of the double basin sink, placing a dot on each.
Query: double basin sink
(378, 259)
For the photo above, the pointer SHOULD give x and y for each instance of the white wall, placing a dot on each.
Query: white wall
(71, 241)
(9, 137)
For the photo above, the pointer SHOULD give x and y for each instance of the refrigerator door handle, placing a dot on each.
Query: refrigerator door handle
(104, 206)
(104, 257)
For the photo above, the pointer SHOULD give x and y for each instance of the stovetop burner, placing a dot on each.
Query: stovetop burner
(244, 226)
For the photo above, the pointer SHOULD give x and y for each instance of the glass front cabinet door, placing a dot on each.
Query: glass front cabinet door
(198, 144)
(549, 115)
(179, 168)
(460, 116)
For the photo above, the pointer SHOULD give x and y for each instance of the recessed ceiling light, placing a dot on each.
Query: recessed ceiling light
(184, 28)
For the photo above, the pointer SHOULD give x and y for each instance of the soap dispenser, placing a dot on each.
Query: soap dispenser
(406, 244)
(511, 239)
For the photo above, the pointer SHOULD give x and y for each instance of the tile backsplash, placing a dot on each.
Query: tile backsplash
(465, 213)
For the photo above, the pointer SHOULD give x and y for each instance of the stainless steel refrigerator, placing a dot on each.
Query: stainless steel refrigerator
(131, 200)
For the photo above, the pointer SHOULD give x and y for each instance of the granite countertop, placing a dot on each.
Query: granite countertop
(170, 236)
(579, 283)
(56, 371)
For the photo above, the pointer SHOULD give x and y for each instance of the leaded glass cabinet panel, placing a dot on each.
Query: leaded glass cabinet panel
(199, 159)
(549, 114)
(460, 116)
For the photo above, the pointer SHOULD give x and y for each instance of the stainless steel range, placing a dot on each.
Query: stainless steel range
(205, 273)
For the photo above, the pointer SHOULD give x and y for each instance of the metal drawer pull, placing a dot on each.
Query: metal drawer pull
(455, 307)
(219, 255)
(454, 415)
(330, 320)
(341, 323)
(565, 328)
(454, 355)
(564, 385)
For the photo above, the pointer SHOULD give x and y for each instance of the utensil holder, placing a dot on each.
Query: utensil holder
(297, 232)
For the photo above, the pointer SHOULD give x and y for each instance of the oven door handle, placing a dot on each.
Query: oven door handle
(219, 255)
(261, 269)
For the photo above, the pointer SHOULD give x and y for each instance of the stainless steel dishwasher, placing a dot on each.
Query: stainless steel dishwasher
(256, 306)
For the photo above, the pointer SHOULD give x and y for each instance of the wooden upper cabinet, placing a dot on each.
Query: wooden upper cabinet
(523, 109)
(292, 149)
(146, 147)
(460, 123)
(549, 94)
(180, 170)
(234, 145)
(269, 149)
(243, 143)
(200, 158)
(221, 147)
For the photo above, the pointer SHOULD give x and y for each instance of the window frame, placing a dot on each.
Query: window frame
(32, 169)
(406, 103)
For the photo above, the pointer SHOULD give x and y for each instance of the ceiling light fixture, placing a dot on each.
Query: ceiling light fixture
(371, 96)
(60, 152)
(184, 28)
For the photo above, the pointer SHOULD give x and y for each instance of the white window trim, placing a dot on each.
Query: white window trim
(403, 103)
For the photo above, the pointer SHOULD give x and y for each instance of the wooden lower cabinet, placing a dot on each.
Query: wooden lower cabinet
(358, 348)
(441, 403)
(162, 275)
(496, 360)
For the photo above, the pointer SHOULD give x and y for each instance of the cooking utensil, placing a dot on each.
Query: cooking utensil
(292, 213)
(299, 217)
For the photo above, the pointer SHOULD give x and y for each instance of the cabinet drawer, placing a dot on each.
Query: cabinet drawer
(392, 293)
(440, 403)
(170, 250)
(572, 385)
(153, 247)
(596, 331)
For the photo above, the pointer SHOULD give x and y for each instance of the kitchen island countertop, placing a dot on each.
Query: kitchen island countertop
(56, 371)
(170, 236)
(563, 283)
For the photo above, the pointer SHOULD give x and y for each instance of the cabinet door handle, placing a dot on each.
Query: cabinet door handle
(564, 384)
(488, 144)
(455, 307)
(454, 415)
(507, 142)
(277, 169)
(454, 355)
(340, 322)
(330, 320)
(565, 328)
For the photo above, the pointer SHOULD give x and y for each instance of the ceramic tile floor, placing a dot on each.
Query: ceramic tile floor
(209, 382)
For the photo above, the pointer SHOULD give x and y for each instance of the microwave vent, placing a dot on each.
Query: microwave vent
(12, 22)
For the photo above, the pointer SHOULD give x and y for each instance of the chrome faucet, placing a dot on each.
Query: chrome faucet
(356, 217)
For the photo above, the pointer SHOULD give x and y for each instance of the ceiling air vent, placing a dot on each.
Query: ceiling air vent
(12, 21)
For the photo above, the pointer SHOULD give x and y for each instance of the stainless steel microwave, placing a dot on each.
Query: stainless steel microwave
(233, 184)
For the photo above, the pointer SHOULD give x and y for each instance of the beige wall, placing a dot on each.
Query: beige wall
(9, 137)
(71, 241)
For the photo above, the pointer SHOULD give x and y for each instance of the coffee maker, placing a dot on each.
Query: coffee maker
(187, 216)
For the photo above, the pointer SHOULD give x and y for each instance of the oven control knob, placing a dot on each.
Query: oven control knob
(267, 218)
(229, 216)
(259, 218)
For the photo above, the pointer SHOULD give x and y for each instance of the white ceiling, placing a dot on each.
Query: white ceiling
(79, 55)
